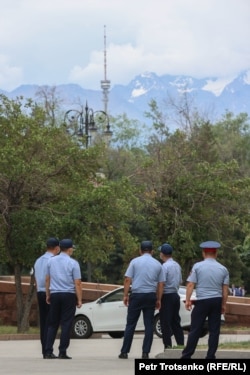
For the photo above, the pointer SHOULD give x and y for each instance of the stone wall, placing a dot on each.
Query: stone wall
(237, 310)
(8, 316)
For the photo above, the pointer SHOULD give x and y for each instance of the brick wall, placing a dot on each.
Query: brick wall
(8, 316)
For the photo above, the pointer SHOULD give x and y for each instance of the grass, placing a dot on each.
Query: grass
(243, 345)
(35, 330)
(227, 328)
(232, 328)
(9, 330)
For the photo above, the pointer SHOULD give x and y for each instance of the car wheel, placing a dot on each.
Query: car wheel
(157, 326)
(81, 328)
(116, 335)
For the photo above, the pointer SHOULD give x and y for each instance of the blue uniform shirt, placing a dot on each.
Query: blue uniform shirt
(40, 268)
(209, 276)
(63, 271)
(145, 272)
(173, 277)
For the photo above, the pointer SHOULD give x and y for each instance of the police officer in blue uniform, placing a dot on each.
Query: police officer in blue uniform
(211, 280)
(146, 276)
(170, 303)
(64, 294)
(40, 268)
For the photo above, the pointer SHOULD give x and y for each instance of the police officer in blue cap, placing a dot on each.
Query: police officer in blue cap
(212, 281)
(64, 294)
(145, 277)
(170, 302)
(40, 268)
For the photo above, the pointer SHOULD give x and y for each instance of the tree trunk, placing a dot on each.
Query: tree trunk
(23, 302)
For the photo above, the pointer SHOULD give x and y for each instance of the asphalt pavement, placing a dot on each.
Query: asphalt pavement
(93, 356)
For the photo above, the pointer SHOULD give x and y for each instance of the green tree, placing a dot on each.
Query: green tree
(232, 134)
(99, 220)
(50, 185)
(40, 167)
(126, 132)
(193, 194)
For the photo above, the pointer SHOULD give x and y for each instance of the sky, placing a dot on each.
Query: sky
(53, 42)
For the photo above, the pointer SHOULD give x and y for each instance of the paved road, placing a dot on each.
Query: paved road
(94, 356)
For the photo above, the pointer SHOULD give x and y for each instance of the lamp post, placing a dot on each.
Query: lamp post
(83, 123)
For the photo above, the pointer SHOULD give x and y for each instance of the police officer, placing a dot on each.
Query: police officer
(170, 303)
(147, 279)
(211, 280)
(63, 293)
(40, 268)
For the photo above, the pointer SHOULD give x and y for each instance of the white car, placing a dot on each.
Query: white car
(108, 315)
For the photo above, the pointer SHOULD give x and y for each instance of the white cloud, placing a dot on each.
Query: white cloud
(10, 76)
(60, 41)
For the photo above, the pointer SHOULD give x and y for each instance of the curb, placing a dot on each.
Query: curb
(19, 336)
(36, 336)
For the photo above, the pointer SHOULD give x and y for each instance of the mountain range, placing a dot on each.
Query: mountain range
(211, 95)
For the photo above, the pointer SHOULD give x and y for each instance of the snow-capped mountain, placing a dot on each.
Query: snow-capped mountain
(208, 94)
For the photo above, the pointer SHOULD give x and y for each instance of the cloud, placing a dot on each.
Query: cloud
(187, 37)
(61, 41)
(121, 55)
(10, 76)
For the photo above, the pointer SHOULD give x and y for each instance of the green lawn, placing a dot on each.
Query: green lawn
(244, 345)
(7, 330)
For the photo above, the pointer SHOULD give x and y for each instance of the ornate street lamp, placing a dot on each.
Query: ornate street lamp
(83, 124)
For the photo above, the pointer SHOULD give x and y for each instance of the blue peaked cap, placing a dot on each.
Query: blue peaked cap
(210, 245)
(166, 249)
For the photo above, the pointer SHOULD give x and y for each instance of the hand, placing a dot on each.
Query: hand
(126, 300)
(79, 304)
(188, 305)
(158, 304)
(223, 308)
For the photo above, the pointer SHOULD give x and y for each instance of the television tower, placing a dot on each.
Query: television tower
(105, 83)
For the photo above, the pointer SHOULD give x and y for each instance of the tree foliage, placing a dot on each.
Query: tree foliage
(49, 186)
(198, 192)
(183, 187)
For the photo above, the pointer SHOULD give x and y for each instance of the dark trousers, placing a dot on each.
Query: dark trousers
(62, 312)
(43, 318)
(207, 308)
(145, 303)
(170, 319)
